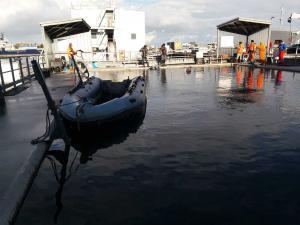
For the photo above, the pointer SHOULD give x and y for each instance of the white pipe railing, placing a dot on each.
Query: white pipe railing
(16, 69)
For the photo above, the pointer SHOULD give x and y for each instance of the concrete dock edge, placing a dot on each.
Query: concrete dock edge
(295, 69)
(13, 199)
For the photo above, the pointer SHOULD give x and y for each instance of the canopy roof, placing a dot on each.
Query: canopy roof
(244, 26)
(63, 28)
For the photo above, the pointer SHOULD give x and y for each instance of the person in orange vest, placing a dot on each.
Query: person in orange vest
(252, 49)
(239, 52)
(71, 53)
(262, 53)
(282, 48)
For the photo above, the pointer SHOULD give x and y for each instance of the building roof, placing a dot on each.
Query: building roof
(244, 26)
(62, 28)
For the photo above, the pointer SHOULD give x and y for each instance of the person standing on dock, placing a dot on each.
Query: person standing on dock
(163, 51)
(239, 52)
(144, 51)
(71, 53)
(282, 48)
(252, 50)
(262, 53)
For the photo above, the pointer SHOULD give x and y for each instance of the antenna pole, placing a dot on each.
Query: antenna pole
(281, 16)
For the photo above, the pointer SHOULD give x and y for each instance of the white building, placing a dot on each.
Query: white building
(116, 34)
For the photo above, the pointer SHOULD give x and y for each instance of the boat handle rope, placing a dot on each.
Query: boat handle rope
(79, 110)
(70, 103)
(134, 84)
(47, 130)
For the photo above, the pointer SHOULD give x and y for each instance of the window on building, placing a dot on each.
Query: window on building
(95, 33)
(133, 36)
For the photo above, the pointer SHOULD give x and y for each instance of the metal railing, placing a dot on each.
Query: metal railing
(122, 58)
(16, 70)
(128, 57)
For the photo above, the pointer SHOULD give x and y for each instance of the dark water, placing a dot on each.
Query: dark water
(216, 146)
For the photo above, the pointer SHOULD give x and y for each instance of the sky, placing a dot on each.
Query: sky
(166, 20)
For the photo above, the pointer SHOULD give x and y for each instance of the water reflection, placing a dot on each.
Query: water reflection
(249, 81)
(239, 76)
(204, 141)
(87, 142)
(260, 80)
(146, 75)
(2, 109)
(163, 76)
(278, 78)
(188, 70)
(244, 85)
(199, 73)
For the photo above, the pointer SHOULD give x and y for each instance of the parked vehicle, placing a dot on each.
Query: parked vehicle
(293, 49)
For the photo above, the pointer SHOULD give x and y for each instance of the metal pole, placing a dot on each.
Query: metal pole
(21, 70)
(218, 49)
(2, 99)
(28, 67)
(77, 70)
(1, 75)
(2, 90)
(268, 40)
(291, 33)
(12, 72)
(51, 103)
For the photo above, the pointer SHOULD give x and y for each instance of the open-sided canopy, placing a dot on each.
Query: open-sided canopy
(63, 28)
(244, 26)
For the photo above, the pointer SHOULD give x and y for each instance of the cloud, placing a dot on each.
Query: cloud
(196, 20)
(20, 19)
(166, 20)
(151, 36)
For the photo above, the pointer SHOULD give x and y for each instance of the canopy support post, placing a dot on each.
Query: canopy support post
(218, 44)
(268, 40)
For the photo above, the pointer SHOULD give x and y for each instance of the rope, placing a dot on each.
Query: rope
(70, 103)
(47, 130)
(54, 168)
(70, 168)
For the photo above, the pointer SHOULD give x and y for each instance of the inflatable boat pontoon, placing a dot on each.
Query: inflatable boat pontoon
(98, 101)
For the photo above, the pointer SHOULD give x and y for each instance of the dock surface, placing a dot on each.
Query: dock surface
(23, 119)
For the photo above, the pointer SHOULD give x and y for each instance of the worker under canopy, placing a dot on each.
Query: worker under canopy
(58, 29)
(245, 27)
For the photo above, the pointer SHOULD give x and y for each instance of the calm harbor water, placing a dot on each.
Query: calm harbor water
(216, 146)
